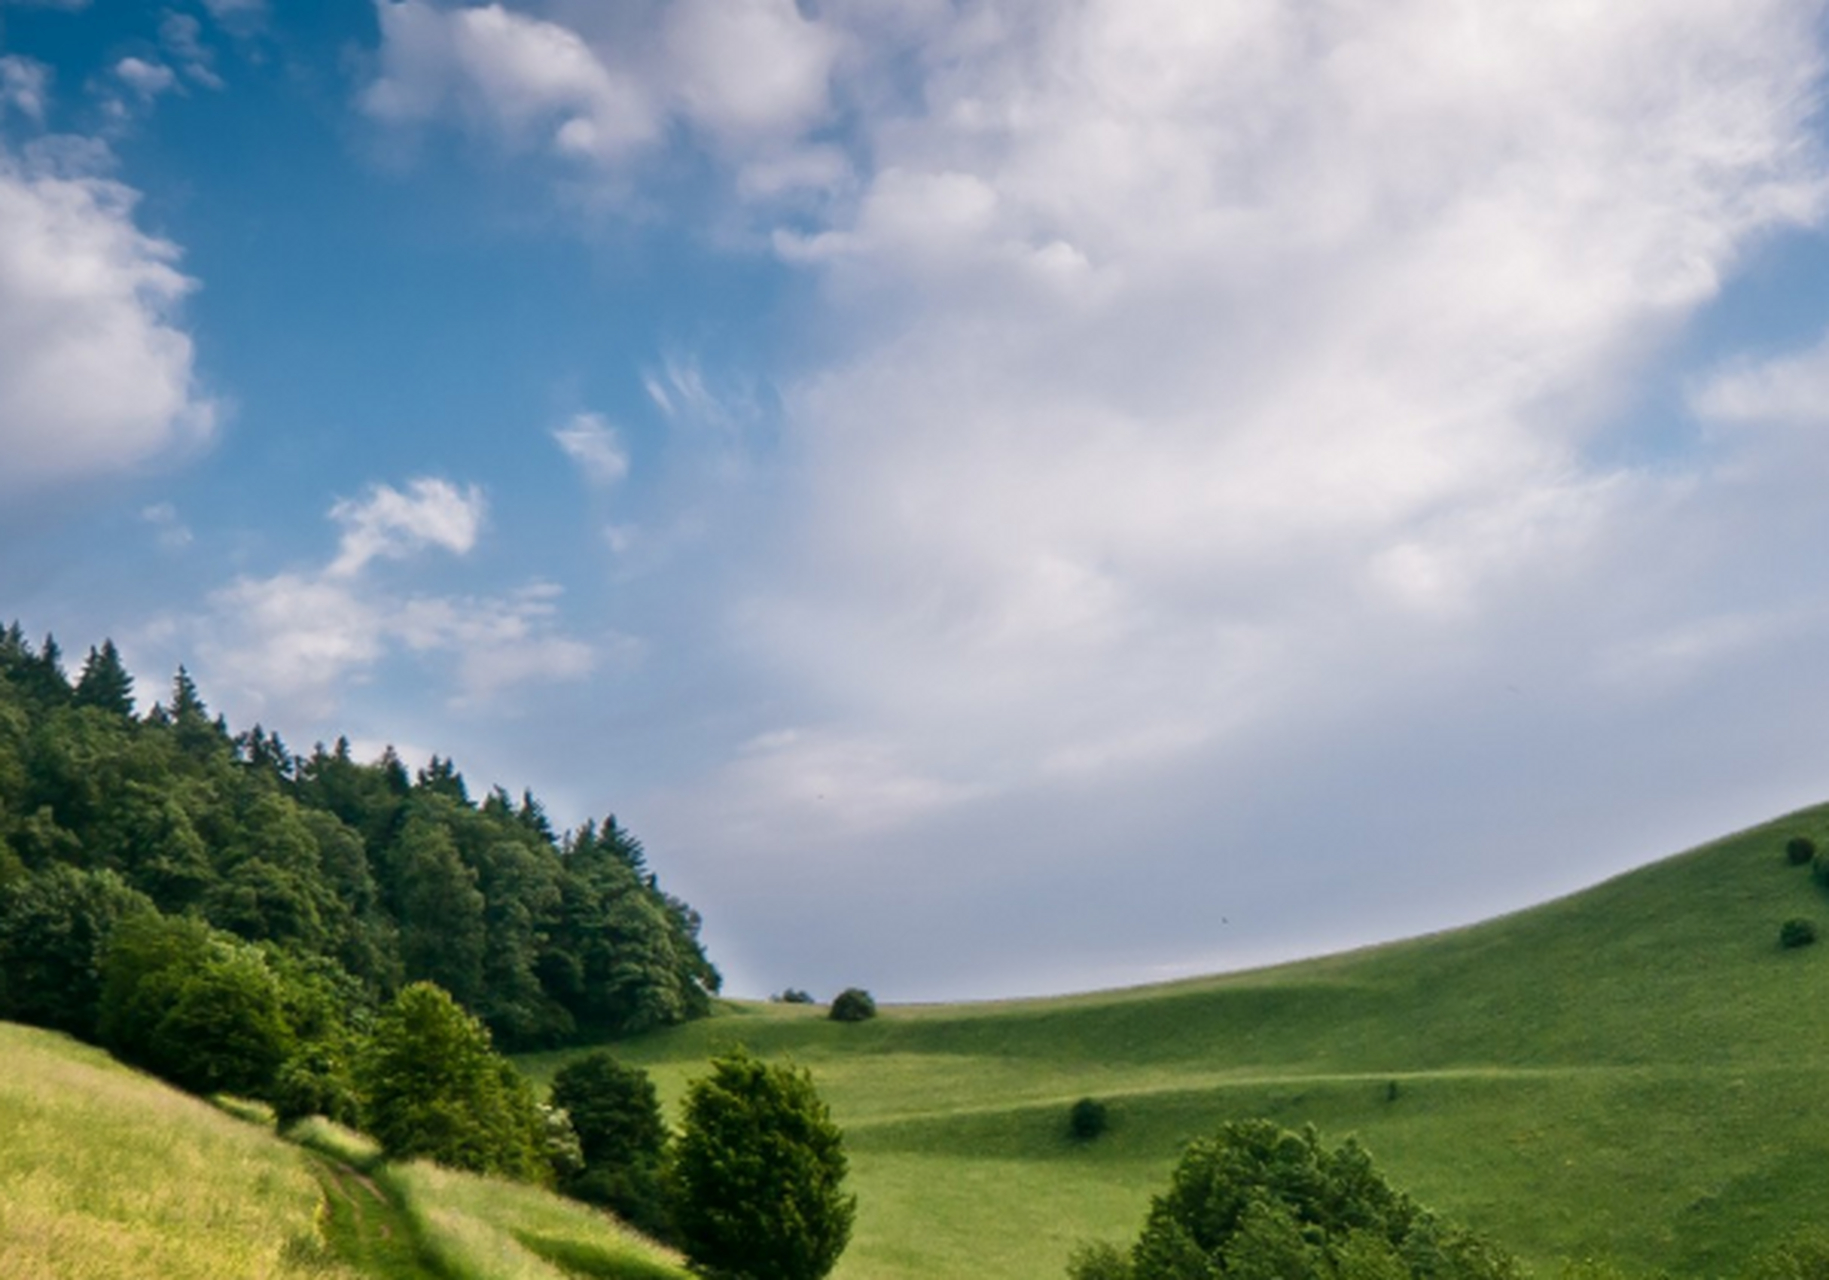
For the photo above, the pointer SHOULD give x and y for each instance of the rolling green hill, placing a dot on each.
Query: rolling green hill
(1635, 1072)
(107, 1174)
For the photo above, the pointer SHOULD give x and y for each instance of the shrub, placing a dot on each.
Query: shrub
(1796, 932)
(622, 1138)
(1087, 1119)
(1098, 1260)
(759, 1174)
(1799, 850)
(853, 1004)
(794, 995)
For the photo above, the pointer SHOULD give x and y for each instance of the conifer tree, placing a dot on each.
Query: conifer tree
(104, 682)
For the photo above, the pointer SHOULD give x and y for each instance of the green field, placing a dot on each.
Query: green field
(1634, 1072)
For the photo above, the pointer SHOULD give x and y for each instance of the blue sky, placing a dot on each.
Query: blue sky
(1002, 496)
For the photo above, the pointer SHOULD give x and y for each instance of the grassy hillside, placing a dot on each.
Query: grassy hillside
(1633, 1071)
(107, 1174)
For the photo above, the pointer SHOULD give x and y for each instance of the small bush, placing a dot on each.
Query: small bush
(1796, 933)
(1087, 1119)
(794, 995)
(1098, 1260)
(1799, 850)
(853, 1004)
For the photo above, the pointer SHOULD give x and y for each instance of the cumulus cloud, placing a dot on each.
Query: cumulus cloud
(595, 447)
(740, 75)
(525, 80)
(297, 639)
(1185, 329)
(96, 371)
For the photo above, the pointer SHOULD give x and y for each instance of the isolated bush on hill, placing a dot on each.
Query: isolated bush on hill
(853, 1004)
(1796, 932)
(1799, 850)
(622, 1139)
(794, 995)
(759, 1174)
(1087, 1119)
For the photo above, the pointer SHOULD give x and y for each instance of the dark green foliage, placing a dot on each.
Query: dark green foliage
(205, 1011)
(853, 1004)
(622, 1139)
(55, 927)
(104, 683)
(1259, 1202)
(794, 995)
(431, 1085)
(1087, 1119)
(1098, 1260)
(759, 1174)
(1799, 850)
(1796, 932)
(318, 856)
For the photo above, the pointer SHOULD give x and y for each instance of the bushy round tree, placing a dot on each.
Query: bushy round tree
(1797, 932)
(1799, 850)
(431, 1085)
(1259, 1202)
(759, 1174)
(853, 1004)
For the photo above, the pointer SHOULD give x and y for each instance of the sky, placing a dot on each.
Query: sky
(1001, 496)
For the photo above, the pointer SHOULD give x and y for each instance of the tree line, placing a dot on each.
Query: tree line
(343, 880)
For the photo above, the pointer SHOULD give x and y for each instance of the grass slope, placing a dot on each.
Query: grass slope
(107, 1174)
(1629, 1072)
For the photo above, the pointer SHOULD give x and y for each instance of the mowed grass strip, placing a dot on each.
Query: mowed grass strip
(108, 1175)
(1629, 1072)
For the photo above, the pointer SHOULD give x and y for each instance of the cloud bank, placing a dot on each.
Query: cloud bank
(97, 372)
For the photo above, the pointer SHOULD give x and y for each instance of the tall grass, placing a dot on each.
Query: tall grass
(107, 1175)
(476, 1228)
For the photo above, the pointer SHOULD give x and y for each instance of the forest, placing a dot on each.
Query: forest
(339, 876)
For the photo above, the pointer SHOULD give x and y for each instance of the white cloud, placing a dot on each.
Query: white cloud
(744, 69)
(296, 640)
(1203, 365)
(1790, 390)
(182, 36)
(148, 79)
(25, 86)
(740, 75)
(526, 81)
(594, 445)
(96, 372)
(389, 524)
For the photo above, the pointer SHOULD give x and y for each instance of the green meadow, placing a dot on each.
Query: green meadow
(1633, 1073)
(107, 1174)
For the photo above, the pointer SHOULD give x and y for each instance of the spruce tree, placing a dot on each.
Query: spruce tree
(104, 682)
